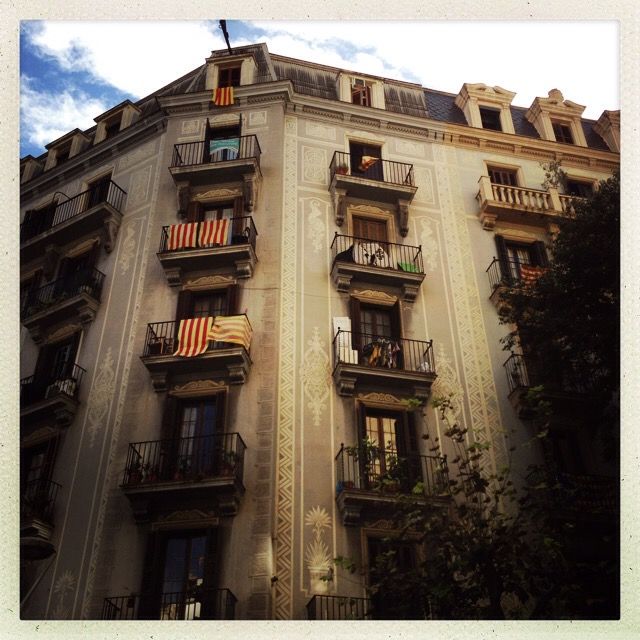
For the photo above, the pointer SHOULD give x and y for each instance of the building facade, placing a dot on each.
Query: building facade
(229, 286)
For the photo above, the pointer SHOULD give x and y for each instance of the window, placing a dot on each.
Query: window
(62, 155)
(360, 92)
(27, 287)
(199, 211)
(513, 256)
(199, 304)
(490, 118)
(98, 191)
(579, 188)
(376, 334)
(366, 160)
(500, 175)
(222, 143)
(370, 228)
(562, 132)
(111, 128)
(179, 577)
(229, 76)
(36, 466)
(37, 221)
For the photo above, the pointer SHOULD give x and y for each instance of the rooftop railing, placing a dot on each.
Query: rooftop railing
(185, 459)
(376, 253)
(242, 231)
(381, 170)
(371, 350)
(338, 608)
(64, 381)
(38, 499)
(195, 604)
(109, 193)
(86, 281)
(188, 154)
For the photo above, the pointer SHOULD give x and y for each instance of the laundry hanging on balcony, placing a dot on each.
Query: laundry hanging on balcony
(222, 149)
(214, 232)
(371, 254)
(234, 329)
(223, 96)
(193, 336)
(183, 236)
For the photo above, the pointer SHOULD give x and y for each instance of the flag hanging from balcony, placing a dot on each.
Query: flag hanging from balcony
(367, 161)
(193, 336)
(213, 232)
(529, 274)
(224, 149)
(223, 96)
(231, 329)
(182, 236)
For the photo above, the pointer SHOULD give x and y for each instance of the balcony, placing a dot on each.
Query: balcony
(73, 299)
(504, 203)
(37, 502)
(234, 159)
(379, 263)
(385, 181)
(235, 252)
(99, 209)
(505, 274)
(164, 475)
(565, 390)
(370, 480)
(362, 360)
(50, 396)
(338, 608)
(196, 604)
(225, 360)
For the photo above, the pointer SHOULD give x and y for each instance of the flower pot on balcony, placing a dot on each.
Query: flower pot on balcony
(342, 169)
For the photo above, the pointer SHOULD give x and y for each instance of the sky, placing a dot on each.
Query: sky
(71, 72)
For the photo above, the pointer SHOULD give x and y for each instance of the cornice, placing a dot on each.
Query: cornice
(79, 164)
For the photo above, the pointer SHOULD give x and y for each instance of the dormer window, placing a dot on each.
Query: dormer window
(490, 118)
(562, 132)
(62, 155)
(111, 129)
(229, 76)
(360, 92)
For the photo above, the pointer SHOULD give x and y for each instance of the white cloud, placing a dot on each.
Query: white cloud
(47, 116)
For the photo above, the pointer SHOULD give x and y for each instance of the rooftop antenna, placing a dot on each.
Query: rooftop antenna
(225, 33)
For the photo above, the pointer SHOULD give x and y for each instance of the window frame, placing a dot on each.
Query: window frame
(227, 75)
(564, 128)
(496, 114)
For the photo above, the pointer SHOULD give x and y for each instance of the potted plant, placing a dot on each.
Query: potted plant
(342, 169)
(366, 453)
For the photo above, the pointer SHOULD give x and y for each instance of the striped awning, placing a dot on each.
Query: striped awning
(234, 329)
(193, 336)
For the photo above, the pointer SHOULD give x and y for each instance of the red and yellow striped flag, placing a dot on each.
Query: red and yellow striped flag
(193, 336)
(223, 96)
(529, 274)
(231, 329)
(182, 236)
(213, 232)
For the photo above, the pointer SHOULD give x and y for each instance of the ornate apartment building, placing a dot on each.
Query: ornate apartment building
(229, 284)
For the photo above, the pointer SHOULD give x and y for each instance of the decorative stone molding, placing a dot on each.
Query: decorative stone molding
(39, 436)
(196, 388)
(250, 191)
(318, 558)
(111, 226)
(209, 282)
(410, 292)
(82, 247)
(315, 376)
(237, 374)
(608, 128)
(403, 217)
(185, 520)
(338, 197)
(183, 193)
(378, 297)
(244, 268)
(543, 111)
(63, 332)
(473, 96)
(214, 195)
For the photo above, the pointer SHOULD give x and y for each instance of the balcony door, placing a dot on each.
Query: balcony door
(55, 368)
(36, 469)
(99, 191)
(221, 143)
(376, 334)
(515, 255)
(370, 229)
(366, 160)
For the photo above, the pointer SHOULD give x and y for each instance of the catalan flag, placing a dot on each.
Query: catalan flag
(182, 236)
(193, 336)
(231, 329)
(367, 161)
(213, 232)
(223, 96)
(529, 274)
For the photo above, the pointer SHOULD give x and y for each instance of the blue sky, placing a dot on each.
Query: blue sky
(72, 72)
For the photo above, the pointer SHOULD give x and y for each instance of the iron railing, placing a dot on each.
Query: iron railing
(382, 170)
(102, 193)
(373, 468)
(376, 253)
(338, 608)
(509, 272)
(188, 459)
(531, 371)
(86, 281)
(65, 380)
(377, 351)
(193, 604)
(188, 154)
(162, 339)
(38, 499)
(243, 231)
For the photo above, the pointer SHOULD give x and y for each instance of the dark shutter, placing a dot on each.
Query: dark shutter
(183, 309)
(539, 254)
(170, 433)
(396, 327)
(206, 155)
(194, 212)
(503, 257)
(150, 587)
(356, 327)
(239, 223)
(232, 300)
(213, 600)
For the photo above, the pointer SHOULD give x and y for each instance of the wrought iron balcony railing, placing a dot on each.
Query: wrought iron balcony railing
(86, 281)
(196, 153)
(338, 608)
(185, 459)
(65, 381)
(381, 170)
(375, 253)
(372, 468)
(507, 273)
(35, 224)
(377, 351)
(162, 339)
(243, 231)
(38, 499)
(196, 603)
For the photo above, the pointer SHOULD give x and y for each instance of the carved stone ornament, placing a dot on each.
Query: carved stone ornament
(186, 519)
(63, 332)
(197, 388)
(222, 193)
(209, 282)
(111, 226)
(339, 205)
(183, 193)
(38, 436)
(250, 191)
(380, 398)
(379, 297)
(403, 217)
(367, 208)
